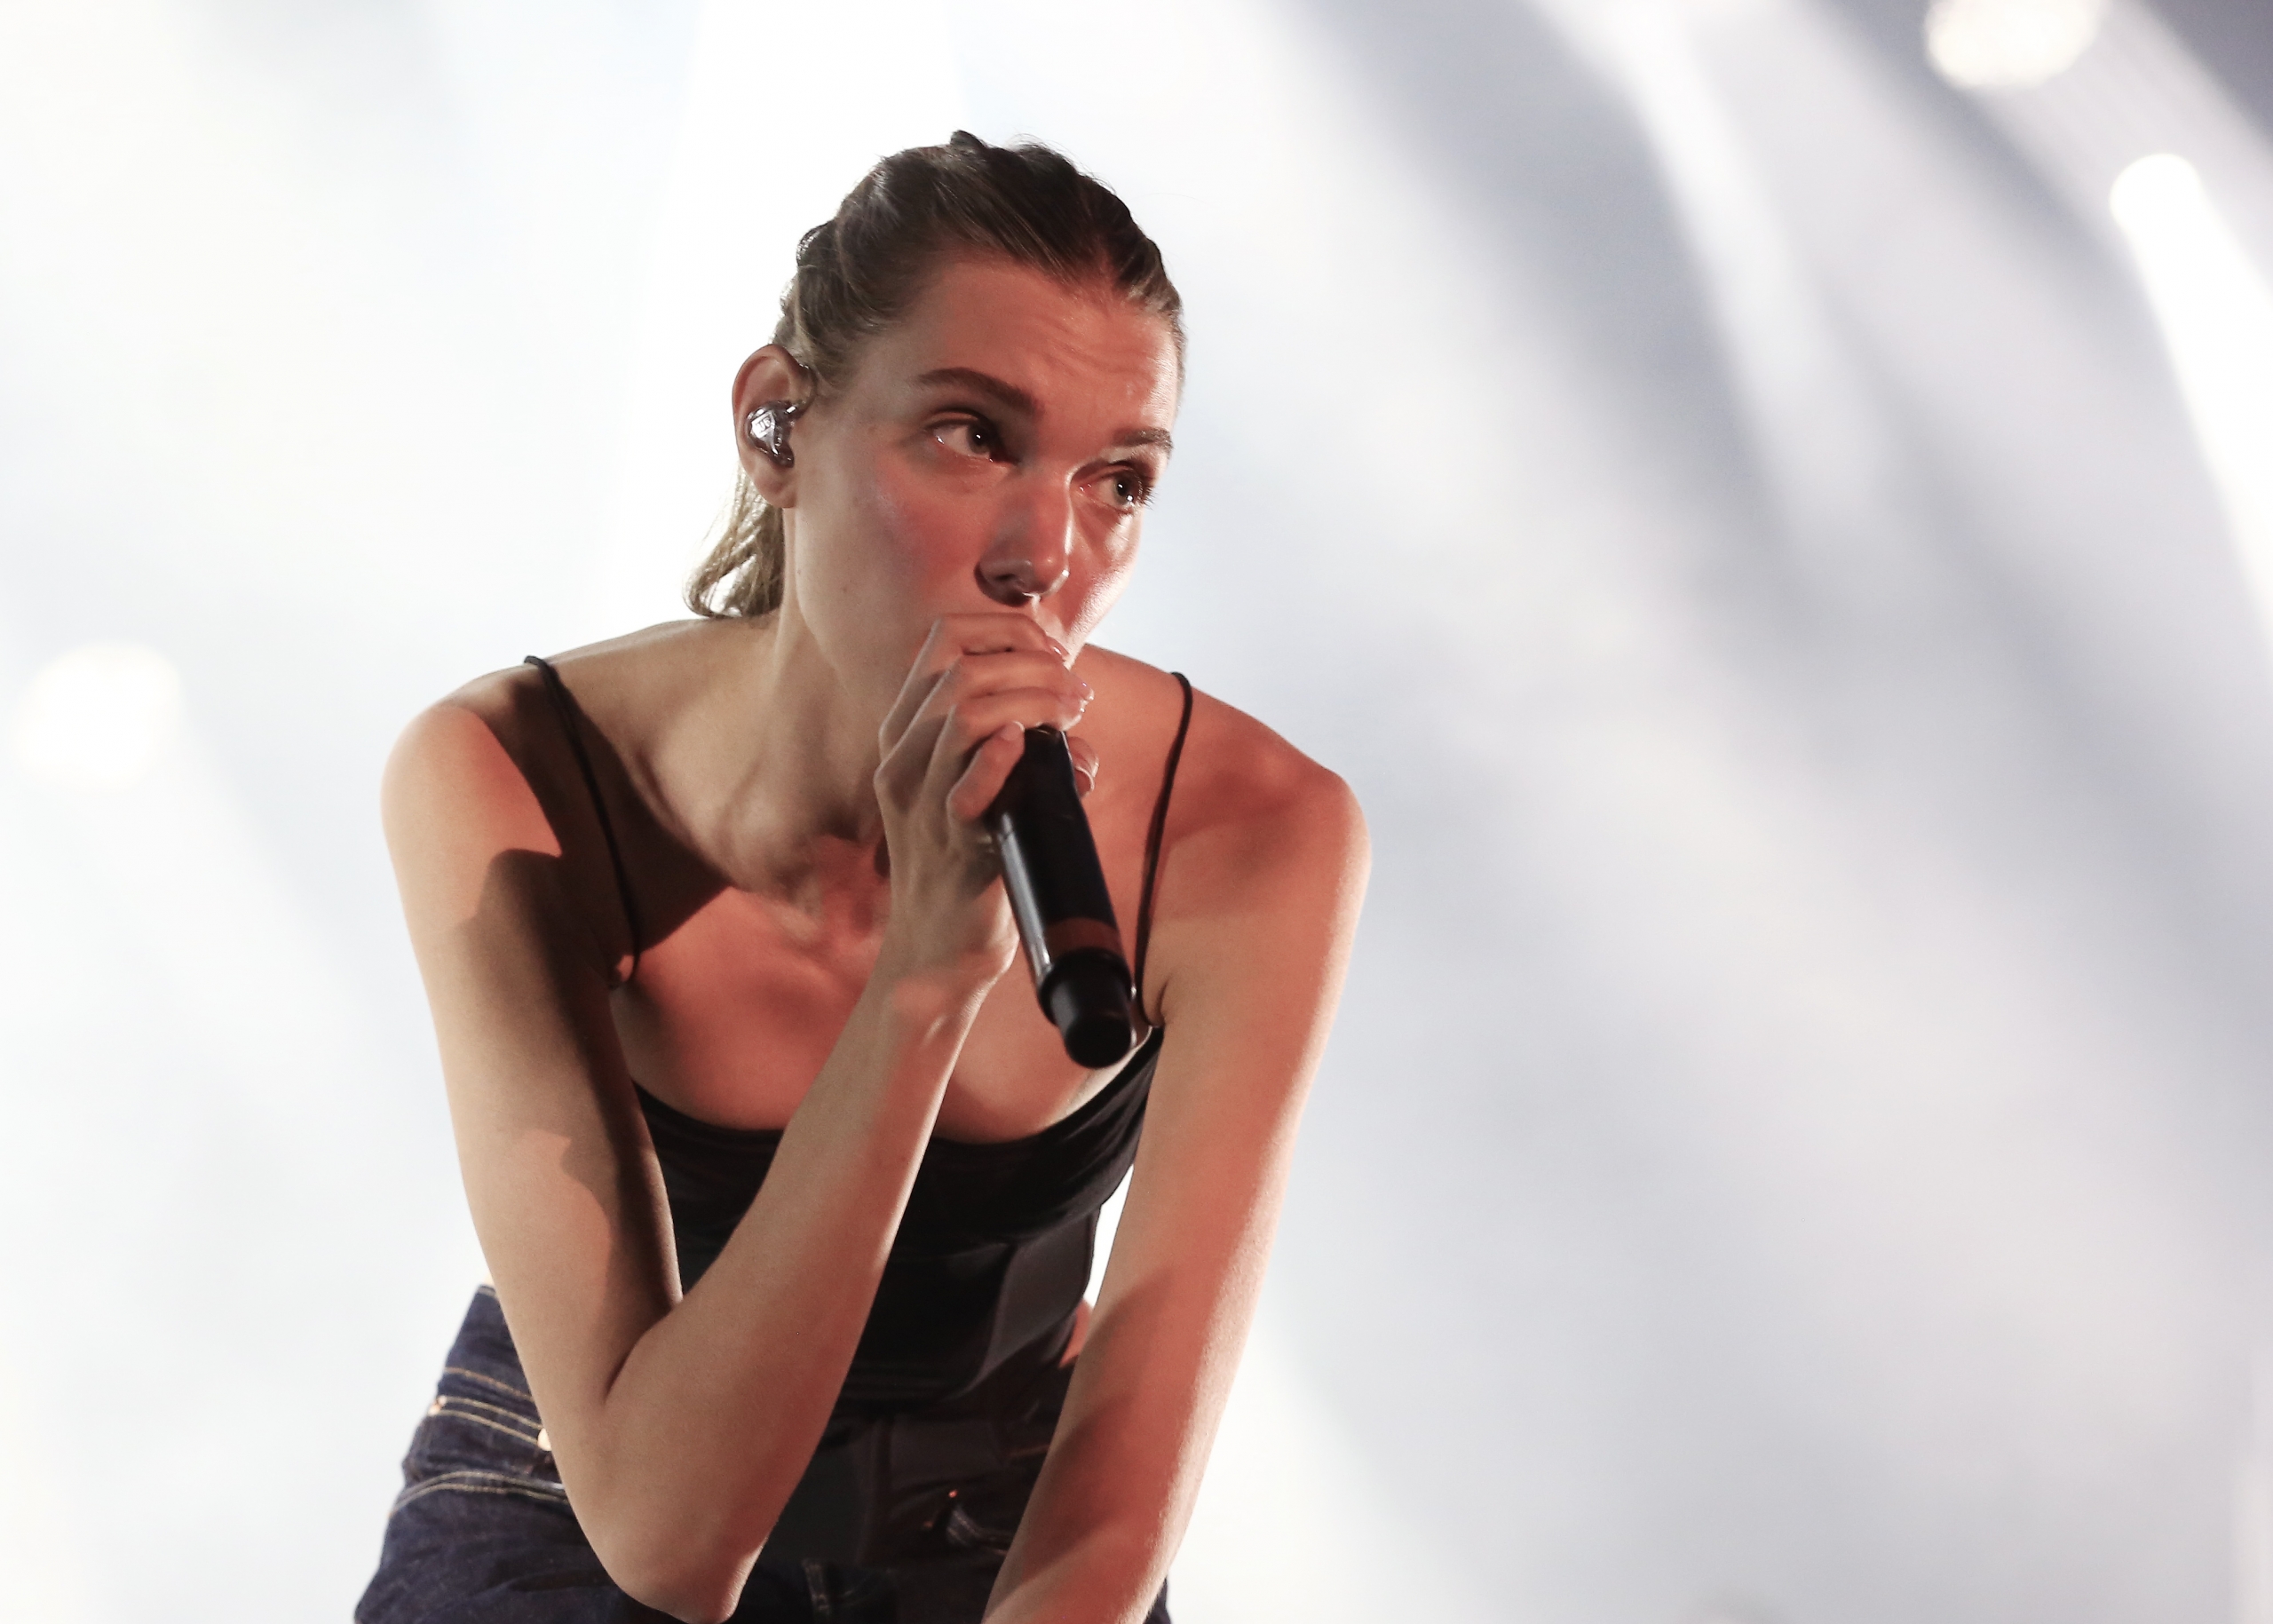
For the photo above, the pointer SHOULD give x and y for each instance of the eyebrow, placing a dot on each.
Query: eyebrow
(1011, 397)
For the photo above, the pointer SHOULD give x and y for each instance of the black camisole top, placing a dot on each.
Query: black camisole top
(993, 1251)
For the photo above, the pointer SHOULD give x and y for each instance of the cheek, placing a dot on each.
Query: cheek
(910, 530)
(878, 564)
(878, 540)
(1099, 588)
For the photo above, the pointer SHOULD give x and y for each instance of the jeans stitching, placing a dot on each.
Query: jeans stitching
(460, 1402)
(467, 1482)
(518, 1434)
(964, 1531)
(817, 1587)
(475, 1375)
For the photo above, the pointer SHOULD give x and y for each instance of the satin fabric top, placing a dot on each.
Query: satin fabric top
(992, 1254)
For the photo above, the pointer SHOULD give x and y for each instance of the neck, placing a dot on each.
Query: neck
(779, 760)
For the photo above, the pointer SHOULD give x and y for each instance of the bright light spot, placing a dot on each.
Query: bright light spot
(2216, 315)
(2009, 44)
(96, 717)
(2159, 194)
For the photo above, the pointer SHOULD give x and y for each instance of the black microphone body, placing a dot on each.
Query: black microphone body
(1059, 896)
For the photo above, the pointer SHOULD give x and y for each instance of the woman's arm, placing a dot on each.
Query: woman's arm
(1258, 912)
(680, 1428)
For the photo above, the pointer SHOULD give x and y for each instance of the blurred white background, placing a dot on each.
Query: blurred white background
(1763, 498)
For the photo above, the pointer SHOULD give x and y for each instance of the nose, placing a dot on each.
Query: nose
(1032, 551)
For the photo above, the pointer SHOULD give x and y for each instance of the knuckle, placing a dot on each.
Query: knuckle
(965, 728)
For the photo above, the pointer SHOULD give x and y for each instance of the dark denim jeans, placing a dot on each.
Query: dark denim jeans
(900, 1520)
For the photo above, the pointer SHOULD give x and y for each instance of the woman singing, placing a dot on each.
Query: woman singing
(786, 1186)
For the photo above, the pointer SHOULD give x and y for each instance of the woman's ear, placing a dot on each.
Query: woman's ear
(770, 376)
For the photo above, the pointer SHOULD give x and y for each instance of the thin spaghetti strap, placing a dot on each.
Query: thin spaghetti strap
(565, 707)
(1153, 838)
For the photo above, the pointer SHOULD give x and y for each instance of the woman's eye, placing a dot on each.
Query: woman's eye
(969, 436)
(1124, 490)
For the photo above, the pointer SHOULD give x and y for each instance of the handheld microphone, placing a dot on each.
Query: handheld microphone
(1059, 896)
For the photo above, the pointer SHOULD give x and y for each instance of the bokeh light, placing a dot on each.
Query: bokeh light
(98, 717)
(1996, 44)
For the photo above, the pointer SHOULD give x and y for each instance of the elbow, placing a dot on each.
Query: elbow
(677, 1578)
(682, 1549)
(691, 1598)
(701, 1611)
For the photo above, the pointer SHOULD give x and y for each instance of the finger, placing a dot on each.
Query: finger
(969, 700)
(985, 773)
(1085, 763)
(980, 680)
(969, 729)
(954, 640)
(972, 719)
(996, 629)
(931, 661)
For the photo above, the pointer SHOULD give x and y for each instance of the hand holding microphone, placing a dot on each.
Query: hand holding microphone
(1059, 900)
(973, 675)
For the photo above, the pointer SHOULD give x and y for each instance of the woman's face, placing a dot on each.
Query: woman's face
(993, 449)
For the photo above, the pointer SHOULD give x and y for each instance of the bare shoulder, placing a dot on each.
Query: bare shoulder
(454, 796)
(611, 676)
(465, 760)
(1262, 871)
(1249, 808)
(501, 726)
(1243, 775)
(488, 767)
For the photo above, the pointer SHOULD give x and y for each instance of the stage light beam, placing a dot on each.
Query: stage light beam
(2216, 315)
